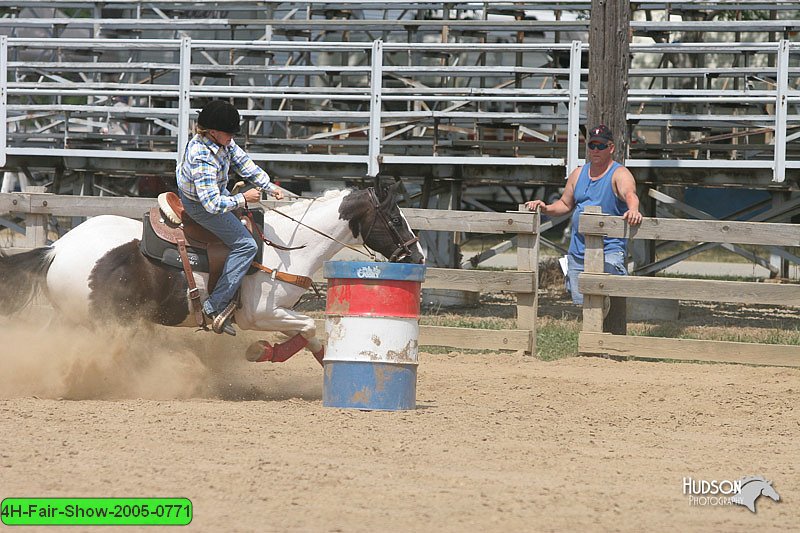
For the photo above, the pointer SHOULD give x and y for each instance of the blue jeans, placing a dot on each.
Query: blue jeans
(614, 264)
(242, 246)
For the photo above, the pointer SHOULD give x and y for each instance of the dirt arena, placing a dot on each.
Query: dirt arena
(498, 442)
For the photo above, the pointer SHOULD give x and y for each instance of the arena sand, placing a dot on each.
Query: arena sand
(498, 442)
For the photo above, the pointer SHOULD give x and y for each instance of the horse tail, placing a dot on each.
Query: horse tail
(22, 277)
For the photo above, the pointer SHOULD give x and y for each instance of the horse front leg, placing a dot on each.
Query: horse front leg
(302, 333)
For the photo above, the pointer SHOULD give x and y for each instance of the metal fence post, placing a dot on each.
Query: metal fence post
(184, 101)
(781, 108)
(376, 83)
(3, 97)
(573, 107)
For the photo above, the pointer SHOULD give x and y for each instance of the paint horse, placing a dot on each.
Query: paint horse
(97, 272)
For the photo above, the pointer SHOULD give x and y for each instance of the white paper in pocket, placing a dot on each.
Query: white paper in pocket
(562, 262)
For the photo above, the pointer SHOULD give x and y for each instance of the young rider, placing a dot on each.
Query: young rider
(202, 176)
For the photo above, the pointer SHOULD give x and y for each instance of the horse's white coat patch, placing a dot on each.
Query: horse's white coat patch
(76, 254)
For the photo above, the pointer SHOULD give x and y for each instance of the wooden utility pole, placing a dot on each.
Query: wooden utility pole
(609, 59)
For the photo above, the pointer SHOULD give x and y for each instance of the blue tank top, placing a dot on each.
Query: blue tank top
(596, 192)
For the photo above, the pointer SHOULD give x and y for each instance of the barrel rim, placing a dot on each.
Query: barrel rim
(373, 270)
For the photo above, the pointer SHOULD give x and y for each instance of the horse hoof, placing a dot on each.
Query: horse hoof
(261, 351)
(256, 351)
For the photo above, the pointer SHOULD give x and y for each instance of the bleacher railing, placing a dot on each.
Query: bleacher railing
(376, 103)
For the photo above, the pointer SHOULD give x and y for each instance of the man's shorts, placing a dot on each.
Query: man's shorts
(614, 264)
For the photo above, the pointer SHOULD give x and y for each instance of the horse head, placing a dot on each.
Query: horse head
(751, 488)
(376, 217)
(768, 491)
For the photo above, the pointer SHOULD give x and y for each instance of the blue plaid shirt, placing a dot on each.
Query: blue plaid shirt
(203, 174)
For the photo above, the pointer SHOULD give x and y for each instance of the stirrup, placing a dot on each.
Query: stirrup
(221, 323)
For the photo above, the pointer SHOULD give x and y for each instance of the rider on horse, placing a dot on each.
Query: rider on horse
(202, 177)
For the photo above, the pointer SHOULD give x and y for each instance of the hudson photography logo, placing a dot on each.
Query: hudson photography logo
(744, 491)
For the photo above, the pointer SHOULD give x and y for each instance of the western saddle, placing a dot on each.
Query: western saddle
(172, 237)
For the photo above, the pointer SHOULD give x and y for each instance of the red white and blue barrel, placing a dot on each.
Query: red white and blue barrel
(372, 324)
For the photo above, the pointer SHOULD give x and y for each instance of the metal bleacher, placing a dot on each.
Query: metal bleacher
(483, 92)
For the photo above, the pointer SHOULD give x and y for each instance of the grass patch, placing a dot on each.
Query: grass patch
(788, 336)
(444, 350)
(557, 339)
(718, 254)
(461, 321)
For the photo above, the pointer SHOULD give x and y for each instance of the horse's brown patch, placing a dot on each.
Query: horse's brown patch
(125, 285)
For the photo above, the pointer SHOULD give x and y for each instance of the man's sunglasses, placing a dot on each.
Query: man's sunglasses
(597, 146)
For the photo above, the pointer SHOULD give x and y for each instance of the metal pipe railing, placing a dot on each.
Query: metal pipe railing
(365, 97)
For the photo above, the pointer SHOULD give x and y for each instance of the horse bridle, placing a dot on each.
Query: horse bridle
(402, 251)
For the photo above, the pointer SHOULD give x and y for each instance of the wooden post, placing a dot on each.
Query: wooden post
(778, 198)
(609, 59)
(593, 263)
(35, 225)
(528, 260)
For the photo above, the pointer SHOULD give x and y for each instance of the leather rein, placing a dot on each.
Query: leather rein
(301, 281)
(315, 230)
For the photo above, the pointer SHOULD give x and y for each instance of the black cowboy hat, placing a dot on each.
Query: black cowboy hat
(219, 115)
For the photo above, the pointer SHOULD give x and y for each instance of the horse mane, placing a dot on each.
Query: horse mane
(745, 480)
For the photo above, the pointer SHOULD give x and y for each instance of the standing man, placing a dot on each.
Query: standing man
(601, 182)
(202, 179)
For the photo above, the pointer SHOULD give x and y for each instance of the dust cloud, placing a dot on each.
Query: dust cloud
(50, 360)
(43, 357)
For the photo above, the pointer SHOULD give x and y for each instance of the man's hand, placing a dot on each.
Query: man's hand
(536, 205)
(277, 194)
(632, 217)
(252, 196)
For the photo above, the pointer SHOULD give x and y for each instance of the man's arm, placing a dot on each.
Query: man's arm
(625, 189)
(563, 205)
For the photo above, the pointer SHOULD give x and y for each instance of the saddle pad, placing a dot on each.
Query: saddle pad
(156, 248)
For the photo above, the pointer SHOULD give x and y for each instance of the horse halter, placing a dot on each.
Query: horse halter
(402, 251)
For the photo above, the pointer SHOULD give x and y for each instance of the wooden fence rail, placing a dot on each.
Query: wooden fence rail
(37, 206)
(596, 285)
